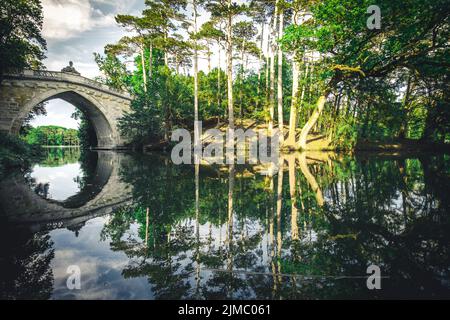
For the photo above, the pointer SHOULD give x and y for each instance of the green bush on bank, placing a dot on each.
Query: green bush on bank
(16, 153)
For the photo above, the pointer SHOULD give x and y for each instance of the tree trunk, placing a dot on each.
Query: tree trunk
(219, 100)
(230, 69)
(404, 125)
(280, 80)
(197, 147)
(272, 73)
(290, 142)
(258, 89)
(267, 74)
(144, 73)
(150, 62)
(241, 77)
(312, 121)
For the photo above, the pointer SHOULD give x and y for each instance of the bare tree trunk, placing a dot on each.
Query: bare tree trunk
(150, 62)
(258, 89)
(144, 73)
(272, 72)
(196, 126)
(240, 81)
(280, 80)
(230, 69)
(311, 121)
(290, 142)
(267, 74)
(219, 100)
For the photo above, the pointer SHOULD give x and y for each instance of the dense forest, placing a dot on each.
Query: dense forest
(311, 67)
(52, 136)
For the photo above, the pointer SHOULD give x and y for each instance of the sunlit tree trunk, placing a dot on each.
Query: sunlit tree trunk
(144, 73)
(272, 73)
(150, 62)
(311, 122)
(196, 126)
(241, 77)
(219, 100)
(280, 79)
(258, 89)
(291, 140)
(230, 68)
(209, 60)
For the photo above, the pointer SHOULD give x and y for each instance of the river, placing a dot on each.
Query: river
(140, 227)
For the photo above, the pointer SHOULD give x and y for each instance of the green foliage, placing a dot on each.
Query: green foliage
(21, 42)
(380, 85)
(15, 153)
(52, 136)
(87, 136)
(114, 70)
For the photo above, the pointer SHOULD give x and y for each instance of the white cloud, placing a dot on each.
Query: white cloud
(64, 19)
(59, 113)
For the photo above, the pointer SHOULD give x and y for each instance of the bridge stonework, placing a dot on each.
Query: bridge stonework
(20, 93)
(19, 203)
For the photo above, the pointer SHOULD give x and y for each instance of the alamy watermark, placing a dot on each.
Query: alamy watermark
(74, 280)
(219, 147)
(374, 279)
(374, 21)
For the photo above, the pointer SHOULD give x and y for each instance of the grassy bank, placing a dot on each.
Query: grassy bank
(315, 140)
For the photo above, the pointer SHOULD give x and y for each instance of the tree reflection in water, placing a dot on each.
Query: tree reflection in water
(229, 232)
(25, 264)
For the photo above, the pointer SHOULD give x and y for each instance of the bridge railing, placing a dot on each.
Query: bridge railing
(61, 76)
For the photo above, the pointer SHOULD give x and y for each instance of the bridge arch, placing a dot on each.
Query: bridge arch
(89, 105)
(19, 93)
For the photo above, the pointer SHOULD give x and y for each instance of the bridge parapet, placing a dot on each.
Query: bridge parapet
(71, 78)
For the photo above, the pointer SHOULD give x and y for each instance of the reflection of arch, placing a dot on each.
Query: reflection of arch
(18, 202)
(103, 170)
(90, 106)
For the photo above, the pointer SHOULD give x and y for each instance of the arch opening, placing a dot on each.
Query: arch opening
(91, 109)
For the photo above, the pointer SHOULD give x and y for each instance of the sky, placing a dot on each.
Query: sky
(74, 30)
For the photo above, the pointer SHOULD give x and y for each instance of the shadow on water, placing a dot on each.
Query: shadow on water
(308, 230)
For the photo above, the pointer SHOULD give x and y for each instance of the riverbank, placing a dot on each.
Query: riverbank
(315, 141)
(16, 153)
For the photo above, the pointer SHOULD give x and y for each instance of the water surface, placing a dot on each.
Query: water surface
(139, 227)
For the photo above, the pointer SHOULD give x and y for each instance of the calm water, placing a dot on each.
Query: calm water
(139, 227)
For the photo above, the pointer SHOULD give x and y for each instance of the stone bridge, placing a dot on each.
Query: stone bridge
(19, 203)
(20, 93)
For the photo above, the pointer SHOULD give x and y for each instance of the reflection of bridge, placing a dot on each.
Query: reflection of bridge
(22, 205)
(19, 93)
